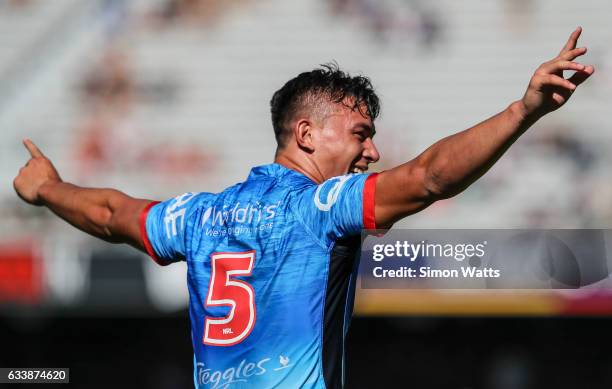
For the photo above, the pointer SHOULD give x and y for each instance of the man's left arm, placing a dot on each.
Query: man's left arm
(107, 214)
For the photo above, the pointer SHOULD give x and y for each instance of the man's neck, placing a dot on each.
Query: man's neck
(300, 164)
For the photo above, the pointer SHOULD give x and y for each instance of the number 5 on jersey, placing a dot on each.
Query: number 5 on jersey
(224, 290)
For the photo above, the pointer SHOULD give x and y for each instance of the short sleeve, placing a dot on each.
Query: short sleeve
(339, 207)
(163, 227)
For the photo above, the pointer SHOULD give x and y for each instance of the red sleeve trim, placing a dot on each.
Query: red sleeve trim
(145, 238)
(369, 191)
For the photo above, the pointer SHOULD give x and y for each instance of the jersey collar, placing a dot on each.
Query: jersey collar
(279, 172)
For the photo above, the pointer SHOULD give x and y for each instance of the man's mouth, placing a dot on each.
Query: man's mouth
(358, 169)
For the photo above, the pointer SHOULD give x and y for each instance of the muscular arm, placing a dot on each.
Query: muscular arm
(453, 163)
(104, 213)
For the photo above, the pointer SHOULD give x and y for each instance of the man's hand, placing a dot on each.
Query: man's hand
(104, 213)
(453, 163)
(38, 171)
(548, 90)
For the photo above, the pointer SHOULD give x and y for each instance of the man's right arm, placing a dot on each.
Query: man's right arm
(453, 163)
(107, 214)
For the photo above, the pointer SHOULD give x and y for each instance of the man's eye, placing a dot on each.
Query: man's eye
(361, 136)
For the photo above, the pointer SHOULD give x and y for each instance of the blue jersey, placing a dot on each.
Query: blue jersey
(271, 271)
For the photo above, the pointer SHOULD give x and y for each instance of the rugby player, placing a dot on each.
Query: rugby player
(271, 261)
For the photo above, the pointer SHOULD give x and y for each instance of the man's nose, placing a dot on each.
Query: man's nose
(371, 152)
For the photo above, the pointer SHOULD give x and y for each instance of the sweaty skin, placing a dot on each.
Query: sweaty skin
(338, 145)
(447, 167)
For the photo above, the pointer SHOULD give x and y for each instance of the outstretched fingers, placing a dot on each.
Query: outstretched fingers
(561, 65)
(551, 80)
(570, 55)
(581, 76)
(33, 149)
(572, 41)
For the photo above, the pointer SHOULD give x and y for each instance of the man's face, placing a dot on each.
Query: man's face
(343, 142)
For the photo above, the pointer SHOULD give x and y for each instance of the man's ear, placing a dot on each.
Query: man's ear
(303, 134)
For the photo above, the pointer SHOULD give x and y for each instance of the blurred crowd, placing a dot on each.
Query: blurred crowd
(119, 87)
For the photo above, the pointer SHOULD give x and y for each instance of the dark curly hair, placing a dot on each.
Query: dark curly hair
(311, 92)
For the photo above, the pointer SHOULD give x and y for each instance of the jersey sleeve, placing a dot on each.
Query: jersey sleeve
(339, 207)
(164, 226)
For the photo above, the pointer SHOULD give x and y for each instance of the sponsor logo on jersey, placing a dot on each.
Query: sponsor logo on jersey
(218, 379)
(239, 219)
(332, 187)
(239, 213)
(223, 379)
